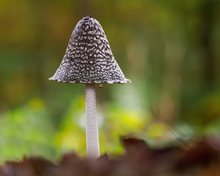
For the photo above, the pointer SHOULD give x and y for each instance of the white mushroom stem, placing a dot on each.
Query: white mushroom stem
(92, 136)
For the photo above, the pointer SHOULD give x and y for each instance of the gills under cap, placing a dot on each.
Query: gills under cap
(88, 57)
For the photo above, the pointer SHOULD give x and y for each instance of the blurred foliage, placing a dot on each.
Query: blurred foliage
(26, 130)
(169, 49)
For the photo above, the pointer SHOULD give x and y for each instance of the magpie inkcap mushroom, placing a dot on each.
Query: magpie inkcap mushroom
(89, 60)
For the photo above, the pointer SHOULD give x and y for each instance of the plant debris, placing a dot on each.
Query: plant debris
(201, 159)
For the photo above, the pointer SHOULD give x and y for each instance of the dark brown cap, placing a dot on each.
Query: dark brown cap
(88, 57)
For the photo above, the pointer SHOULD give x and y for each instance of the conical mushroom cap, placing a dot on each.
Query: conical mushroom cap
(88, 57)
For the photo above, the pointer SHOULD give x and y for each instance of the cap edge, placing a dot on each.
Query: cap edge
(92, 82)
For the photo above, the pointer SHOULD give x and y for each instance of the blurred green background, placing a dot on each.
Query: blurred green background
(169, 49)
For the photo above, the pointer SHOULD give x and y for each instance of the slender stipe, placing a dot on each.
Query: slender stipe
(92, 135)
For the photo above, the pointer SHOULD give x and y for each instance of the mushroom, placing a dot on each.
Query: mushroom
(89, 60)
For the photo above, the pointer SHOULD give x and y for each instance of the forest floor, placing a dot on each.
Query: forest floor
(201, 158)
